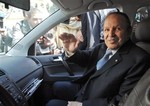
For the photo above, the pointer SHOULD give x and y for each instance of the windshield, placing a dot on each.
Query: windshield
(16, 23)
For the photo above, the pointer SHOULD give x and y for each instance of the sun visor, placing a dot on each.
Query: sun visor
(22, 4)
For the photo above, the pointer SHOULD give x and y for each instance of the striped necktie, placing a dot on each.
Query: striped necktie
(103, 60)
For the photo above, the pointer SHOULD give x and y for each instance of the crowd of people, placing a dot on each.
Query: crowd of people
(44, 45)
(50, 42)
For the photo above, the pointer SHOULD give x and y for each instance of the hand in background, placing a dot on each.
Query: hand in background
(70, 42)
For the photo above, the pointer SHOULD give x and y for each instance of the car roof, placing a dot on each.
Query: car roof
(79, 6)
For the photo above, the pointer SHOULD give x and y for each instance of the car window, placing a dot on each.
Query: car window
(16, 23)
(142, 13)
(86, 27)
(50, 42)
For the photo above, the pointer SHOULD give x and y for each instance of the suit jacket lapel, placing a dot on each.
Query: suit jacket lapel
(110, 63)
(115, 59)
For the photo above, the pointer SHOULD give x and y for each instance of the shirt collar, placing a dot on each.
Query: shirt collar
(113, 51)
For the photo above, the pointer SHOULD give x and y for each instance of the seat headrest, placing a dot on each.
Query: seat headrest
(142, 31)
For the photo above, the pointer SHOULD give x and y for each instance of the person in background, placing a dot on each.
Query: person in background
(4, 40)
(113, 67)
(92, 26)
(31, 19)
(72, 26)
(46, 43)
(5, 35)
(20, 29)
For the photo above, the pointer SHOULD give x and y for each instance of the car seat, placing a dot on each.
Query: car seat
(142, 34)
(140, 95)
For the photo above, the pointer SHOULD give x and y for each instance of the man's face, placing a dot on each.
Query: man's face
(35, 19)
(115, 31)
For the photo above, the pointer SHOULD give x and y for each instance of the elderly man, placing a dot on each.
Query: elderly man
(123, 65)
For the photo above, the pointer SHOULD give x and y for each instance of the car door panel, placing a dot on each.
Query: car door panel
(55, 68)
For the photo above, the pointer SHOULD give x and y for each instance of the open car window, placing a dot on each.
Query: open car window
(86, 27)
(142, 13)
(50, 42)
(16, 23)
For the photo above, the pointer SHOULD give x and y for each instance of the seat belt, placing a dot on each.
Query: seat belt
(68, 68)
(65, 64)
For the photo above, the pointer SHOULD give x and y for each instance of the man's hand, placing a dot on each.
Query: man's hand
(70, 42)
(74, 103)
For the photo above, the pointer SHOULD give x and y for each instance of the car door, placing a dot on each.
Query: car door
(49, 50)
(57, 69)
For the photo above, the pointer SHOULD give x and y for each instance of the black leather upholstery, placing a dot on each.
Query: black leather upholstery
(140, 96)
(142, 34)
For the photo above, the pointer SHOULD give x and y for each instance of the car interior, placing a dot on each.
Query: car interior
(141, 93)
(26, 79)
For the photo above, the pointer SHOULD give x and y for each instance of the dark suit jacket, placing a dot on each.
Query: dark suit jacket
(117, 77)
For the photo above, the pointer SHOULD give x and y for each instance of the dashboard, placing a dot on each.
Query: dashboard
(20, 77)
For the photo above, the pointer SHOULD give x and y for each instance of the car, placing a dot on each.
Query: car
(27, 75)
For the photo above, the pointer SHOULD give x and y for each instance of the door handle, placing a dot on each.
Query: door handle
(58, 58)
